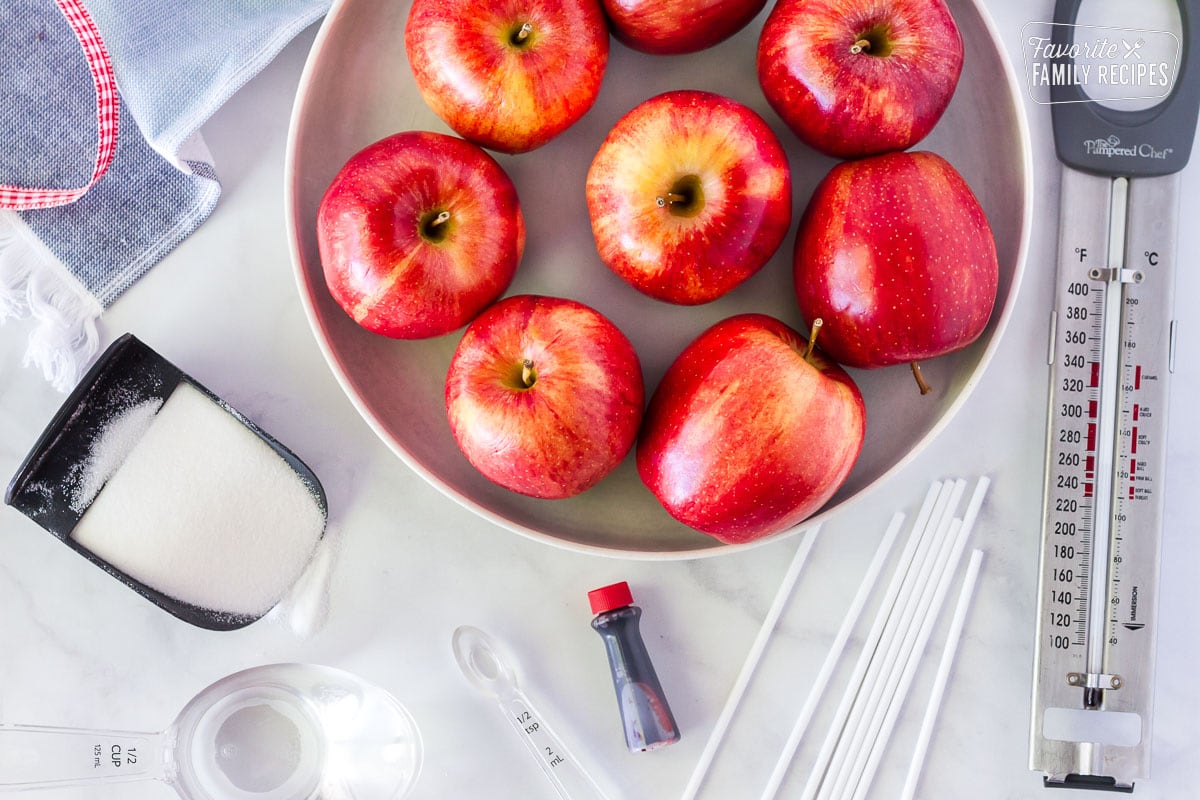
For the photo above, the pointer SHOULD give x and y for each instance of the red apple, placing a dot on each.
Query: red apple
(544, 395)
(508, 74)
(895, 254)
(750, 430)
(853, 78)
(689, 195)
(667, 27)
(418, 232)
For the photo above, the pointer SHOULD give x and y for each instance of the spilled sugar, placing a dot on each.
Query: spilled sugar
(114, 443)
(305, 609)
(198, 507)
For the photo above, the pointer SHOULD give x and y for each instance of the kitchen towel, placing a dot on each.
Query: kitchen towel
(175, 65)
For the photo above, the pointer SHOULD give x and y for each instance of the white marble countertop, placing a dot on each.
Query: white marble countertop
(76, 648)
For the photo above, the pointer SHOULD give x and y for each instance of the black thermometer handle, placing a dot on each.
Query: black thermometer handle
(1143, 143)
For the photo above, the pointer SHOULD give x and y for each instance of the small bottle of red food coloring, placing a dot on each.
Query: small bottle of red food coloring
(645, 715)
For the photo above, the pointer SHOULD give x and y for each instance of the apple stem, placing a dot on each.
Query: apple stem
(523, 34)
(527, 373)
(812, 338)
(861, 46)
(441, 218)
(670, 197)
(921, 384)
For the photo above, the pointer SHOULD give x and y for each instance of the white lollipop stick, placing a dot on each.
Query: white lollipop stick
(869, 689)
(943, 674)
(878, 741)
(835, 653)
(916, 537)
(751, 663)
(869, 741)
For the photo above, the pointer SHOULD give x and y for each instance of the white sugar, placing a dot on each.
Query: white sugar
(305, 610)
(111, 447)
(201, 509)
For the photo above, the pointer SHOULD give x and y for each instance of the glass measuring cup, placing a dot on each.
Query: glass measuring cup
(276, 732)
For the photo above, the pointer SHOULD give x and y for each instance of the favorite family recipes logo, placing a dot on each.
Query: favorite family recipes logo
(1104, 64)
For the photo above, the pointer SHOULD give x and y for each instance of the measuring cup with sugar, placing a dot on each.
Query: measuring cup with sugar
(157, 481)
(487, 670)
(276, 732)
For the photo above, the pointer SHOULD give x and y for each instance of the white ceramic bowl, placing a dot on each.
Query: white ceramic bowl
(357, 88)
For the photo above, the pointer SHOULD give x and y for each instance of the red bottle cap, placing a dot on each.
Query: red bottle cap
(607, 598)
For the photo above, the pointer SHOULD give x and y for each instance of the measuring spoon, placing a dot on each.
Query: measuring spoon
(488, 671)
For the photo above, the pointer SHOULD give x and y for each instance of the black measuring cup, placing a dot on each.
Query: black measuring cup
(126, 374)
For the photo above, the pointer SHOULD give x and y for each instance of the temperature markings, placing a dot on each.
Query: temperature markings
(1078, 433)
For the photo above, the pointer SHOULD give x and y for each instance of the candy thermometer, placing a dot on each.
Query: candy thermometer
(1112, 350)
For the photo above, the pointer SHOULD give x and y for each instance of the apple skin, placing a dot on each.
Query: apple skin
(895, 255)
(508, 96)
(671, 27)
(728, 162)
(573, 424)
(850, 104)
(744, 437)
(384, 263)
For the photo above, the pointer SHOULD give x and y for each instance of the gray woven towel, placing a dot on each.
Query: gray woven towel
(176, 64)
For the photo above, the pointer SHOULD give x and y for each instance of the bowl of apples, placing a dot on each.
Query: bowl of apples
(654, 278)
